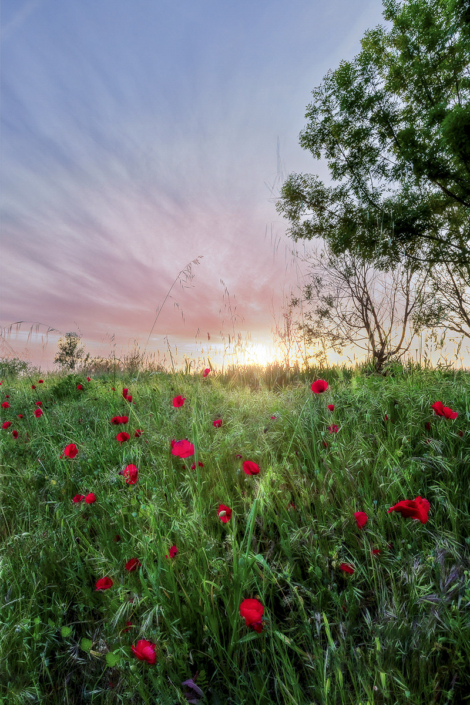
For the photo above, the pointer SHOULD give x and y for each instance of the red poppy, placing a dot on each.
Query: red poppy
(14, 434)
(347, 568)
(182, 449)
(124, 392)
(333, 428)
(238, 455)
(252, 610)
(375, 551)
(7, 424)
(138, 433)
(122, 437)
(104, 584)
(129, 398)
(193, 466)
(116, 420)
(7, 396)
(145, 651)
(250, 468)
(78, 498)
(38, 413)
(133, 564)
(361, 519)
(39, 403)
(427, 426)
(325, 444)
(217, 423)
(70, 451)
(173, 552)
(117, 538)
(441, 410)
(172, 443)
(224, 513)
(90, 498)
(206, 372)
(273, 418)
(79, 386)
(319, 386)
(113, 389)
(331, 407)
(5, 405)
(460, 433)
(131, 472)
(40, 381)
(415, 508)
(88, 379)
(33, 386)
(126, 629)
(291, 504)
(178, 401)
(20, 416)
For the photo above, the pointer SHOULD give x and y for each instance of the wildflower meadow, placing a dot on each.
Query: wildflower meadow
(241, 537)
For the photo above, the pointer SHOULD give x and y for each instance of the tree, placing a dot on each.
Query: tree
(352, 303)
(69, 351)
(394, 127)
(449, 299)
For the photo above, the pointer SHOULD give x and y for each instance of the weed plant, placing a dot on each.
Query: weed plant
(396, 630)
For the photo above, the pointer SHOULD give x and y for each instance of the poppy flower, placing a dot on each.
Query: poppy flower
(441, 410)
(129, 398)
(252, 610)
(193, 466)
(78, 498)
(126, 628)
(415, 508)
(217, 423)
(172, 443)
(7, 424)
(427, 426)
(70, 451)
(38, 413)
(145, 651)
(117, 538)
(250, 468)
(238, 455)
(79, 386)
(460, 433)
(331, 407)
(182, 449)
(291, 504)
(39, 403)
(104, 584)
(361, 519)
(178, 401)
(124, 392)
(88, 379)
(133, 564)
(123, 436)
(333, 428)
(138, 433)
(7, 396)
(116, 420)
(224, 513)
(90, 498)
(40, 381)
(131, 472)
(206, 372)
(173, 552)
(375, 551)
(5, 405)
(20, 416)
(113, 389)
(347, 568)
(319, 386)
(273, 418)
(325, 444)
(14, 434)
(33, 386)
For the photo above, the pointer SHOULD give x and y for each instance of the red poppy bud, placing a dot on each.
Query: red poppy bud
(79, 386)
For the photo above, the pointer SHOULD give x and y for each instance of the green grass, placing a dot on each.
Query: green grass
(396, 631)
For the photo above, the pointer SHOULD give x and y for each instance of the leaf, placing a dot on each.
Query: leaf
(66, 631)
(112, 659)
(86, 645)
(248, 637)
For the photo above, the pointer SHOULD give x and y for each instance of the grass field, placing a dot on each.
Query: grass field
(395, 630)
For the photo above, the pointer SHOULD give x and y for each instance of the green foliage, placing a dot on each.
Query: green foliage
(396, 631)
(15, 367)
(394, 127)
(66, 387)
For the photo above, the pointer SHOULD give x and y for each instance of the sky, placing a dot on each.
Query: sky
(137, 137)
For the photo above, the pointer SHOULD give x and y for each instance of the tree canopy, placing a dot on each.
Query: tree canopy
(394, 127)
